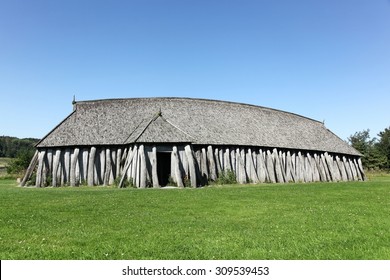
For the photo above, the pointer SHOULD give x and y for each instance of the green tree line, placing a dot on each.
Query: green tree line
(375, 151)
(20, 150)
(11, 146)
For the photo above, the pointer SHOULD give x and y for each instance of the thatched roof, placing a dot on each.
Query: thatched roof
(196, 121)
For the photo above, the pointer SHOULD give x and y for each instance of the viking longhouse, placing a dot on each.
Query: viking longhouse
(153, 142)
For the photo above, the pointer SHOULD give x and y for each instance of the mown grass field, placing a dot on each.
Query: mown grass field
(292, 221)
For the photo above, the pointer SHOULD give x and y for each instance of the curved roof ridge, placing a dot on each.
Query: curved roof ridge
(197, 99)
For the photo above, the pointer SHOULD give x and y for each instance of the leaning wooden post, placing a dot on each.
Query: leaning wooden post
(191, 164)
(360, 165)
(91, 166)
(142, 173)
(128, 162)
(30, 169)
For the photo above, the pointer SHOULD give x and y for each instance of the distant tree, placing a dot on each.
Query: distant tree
(384, 145)
(11, 146)
(373, 157)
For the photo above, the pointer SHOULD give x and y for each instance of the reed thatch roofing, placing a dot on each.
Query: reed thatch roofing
(196, 121)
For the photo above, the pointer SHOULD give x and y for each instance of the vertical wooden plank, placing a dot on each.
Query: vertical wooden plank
(113, 167)
(254, 177)
(204, 169)
(67, 166)
(79, 166)
(315, 172)
(154, 168)
(226, 160)
(38, 182)
(217, 161)
(118, 163)
(191, 165)
(84, 173)
(307, 170)
(142, 172)
(107, 165)
(73, 160)
(49, 156)
(211, 162)
(238, 169)
(220, 156)
(289, 177)
(261, 169)
(233, 161)
(91, 166)
(134, 164)
(178, 176)
(270, 167)
(278, 168)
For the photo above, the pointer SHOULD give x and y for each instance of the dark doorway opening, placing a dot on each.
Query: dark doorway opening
(163, 168)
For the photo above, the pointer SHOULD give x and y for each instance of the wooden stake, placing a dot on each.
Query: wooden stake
(30, 169)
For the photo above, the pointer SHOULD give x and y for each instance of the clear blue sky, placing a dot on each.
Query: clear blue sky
(327, 60)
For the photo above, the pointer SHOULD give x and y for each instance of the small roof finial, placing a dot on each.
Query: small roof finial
(74, 100)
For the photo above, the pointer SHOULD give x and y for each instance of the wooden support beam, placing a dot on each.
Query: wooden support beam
(30, 169)
(125, 173)
(359, 161)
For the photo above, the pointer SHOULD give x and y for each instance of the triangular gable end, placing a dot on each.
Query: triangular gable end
(159, 130)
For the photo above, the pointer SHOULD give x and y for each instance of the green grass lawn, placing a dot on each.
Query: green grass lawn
(292, 221)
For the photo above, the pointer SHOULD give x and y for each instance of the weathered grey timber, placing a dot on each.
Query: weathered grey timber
(145, 140)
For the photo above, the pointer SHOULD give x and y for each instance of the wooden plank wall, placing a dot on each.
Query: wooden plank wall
(190, 165)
